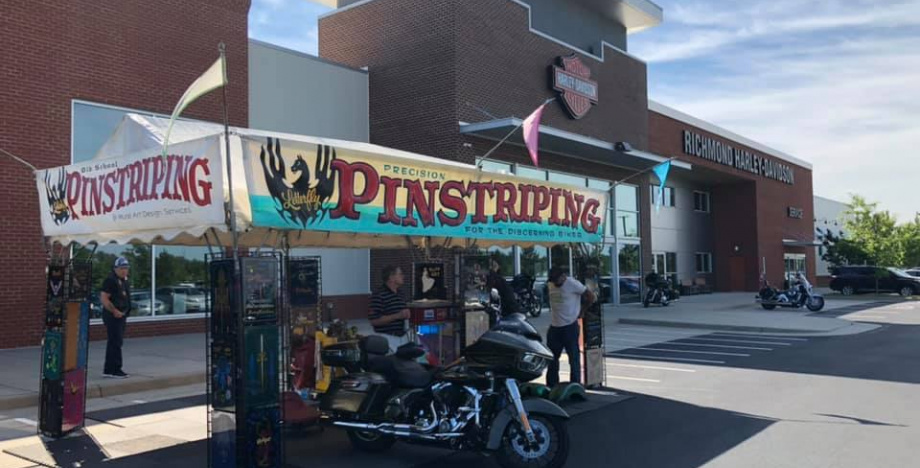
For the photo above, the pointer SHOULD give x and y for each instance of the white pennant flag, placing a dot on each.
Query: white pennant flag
(213, 78)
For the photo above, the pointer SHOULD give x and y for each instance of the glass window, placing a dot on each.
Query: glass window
(535, 262)
(530, 173)
(181, 274)
(567, 179)
(701, 201)
(561, 256)
(601, 185)
(629, 259)
(505, 259)
(704, 262)
(627, 224)
(627, 198)
(495, 166)
(669, 198)
(139, 281)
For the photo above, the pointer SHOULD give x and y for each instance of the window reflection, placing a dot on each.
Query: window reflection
(535, 262)
(181, 273)
(629, 259)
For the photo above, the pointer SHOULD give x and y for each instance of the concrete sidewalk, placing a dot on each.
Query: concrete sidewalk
(153, 363)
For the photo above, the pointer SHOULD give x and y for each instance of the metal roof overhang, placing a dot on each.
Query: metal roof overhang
(553, 140)
(801, 243)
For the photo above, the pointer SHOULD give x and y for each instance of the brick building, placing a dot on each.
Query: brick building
(446, 78)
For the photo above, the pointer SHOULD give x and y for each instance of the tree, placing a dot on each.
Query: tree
(876, 233)
(910, 237)
(840, 251)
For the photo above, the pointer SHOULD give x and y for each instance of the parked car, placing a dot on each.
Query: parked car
(193, 299)
(850, 280)
(140, 305)
(913, 272)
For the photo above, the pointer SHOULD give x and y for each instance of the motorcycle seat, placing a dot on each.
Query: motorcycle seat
(403, 373)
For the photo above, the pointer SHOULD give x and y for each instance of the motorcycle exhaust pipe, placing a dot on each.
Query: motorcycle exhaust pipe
(399, 430)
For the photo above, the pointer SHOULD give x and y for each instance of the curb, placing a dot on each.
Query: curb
(120, 387)
(705, 326)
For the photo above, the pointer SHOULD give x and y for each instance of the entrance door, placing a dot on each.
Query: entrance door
(736, 273)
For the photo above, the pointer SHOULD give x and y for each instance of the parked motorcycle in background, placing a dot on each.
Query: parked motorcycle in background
(522, 285)
(800, 293)
(659, 291)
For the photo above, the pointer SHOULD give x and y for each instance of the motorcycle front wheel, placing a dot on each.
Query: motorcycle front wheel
(370, 442)
(551, 449)
(535, 308)
(815, 304)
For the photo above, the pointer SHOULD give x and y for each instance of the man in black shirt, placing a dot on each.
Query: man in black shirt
(116, 304)
(497, 281)
(388, 312)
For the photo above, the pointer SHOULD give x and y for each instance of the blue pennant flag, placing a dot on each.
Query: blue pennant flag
(661, 171)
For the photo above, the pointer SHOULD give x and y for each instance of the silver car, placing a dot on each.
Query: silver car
(140, 305)
(191, 299)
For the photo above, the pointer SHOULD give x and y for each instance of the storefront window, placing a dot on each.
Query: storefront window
(567, 179)
(181, 274)
(139, 279)
(629, 259)
(561, 256)
(495, 166)
(531, 173)
(535, 262)
(505, 259)
(627, 211)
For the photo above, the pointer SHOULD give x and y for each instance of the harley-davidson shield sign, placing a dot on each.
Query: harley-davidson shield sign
(572, 79)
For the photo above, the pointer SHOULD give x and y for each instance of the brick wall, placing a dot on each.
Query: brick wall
(748, 210)
(133, 53)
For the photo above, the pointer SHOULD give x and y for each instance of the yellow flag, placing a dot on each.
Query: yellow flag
(213, 78)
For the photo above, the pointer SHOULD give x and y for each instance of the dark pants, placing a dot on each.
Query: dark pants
(557, 340)
(115, 332)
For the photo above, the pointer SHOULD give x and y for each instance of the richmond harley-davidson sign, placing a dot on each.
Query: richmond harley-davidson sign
(298, 185)
(572, 79)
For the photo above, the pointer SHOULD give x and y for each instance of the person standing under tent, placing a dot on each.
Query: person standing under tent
(116, 305)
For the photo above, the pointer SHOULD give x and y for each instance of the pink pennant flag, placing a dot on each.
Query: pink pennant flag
(532, 133)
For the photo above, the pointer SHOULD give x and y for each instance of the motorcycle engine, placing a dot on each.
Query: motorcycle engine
(449, 398)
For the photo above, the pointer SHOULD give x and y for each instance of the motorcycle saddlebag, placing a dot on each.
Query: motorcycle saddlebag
(363, 393)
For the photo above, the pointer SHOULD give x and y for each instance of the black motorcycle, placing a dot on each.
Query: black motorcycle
(795, 297)
(522, 285)
(659, 292)
(474, 404)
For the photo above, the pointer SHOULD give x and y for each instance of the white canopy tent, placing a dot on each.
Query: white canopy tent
(131, 156)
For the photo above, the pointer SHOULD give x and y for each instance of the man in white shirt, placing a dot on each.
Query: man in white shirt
(565, 301)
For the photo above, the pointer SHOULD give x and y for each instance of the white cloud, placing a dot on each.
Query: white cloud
(835, 83)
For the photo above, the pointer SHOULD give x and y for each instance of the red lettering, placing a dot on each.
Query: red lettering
(390, 187)
(74, 183)
(108, 183)
(158, 176)
(480, 189)
(181, 187)
(525, 214)
(201, 188)
(347, 196)
(505, 201)
(145, 180)
(452, 202)
(554, 202)
(95, 195)
(541, 200)
(573, 202)
(589, 219)
(136, 184)
(417, 202)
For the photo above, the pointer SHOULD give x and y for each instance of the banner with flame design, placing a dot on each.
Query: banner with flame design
(305, 186)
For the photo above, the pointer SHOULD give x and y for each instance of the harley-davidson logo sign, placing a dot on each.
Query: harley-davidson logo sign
(572, 79)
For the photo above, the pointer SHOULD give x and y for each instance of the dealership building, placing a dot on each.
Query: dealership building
(444, 78)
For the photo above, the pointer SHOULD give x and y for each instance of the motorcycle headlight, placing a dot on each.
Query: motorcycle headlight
(531, 362)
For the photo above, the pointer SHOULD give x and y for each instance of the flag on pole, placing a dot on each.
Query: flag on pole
(532, 133)
(213, 78)
(661, 171)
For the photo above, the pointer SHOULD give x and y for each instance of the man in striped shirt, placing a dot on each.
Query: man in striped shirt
(388, 312)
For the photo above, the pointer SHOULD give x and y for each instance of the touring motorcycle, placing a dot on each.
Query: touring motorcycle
(473, 404)
(795, 297)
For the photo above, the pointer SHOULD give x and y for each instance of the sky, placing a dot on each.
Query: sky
(833, 82)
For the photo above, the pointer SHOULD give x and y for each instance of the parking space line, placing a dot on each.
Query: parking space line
(636, 366)
(660, 358)
(636, 379)
(677, 343)
(27, 422)
(703, 338)
(718, 353)
(769, 337)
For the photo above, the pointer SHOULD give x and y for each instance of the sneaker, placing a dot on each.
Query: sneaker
(115, 375)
